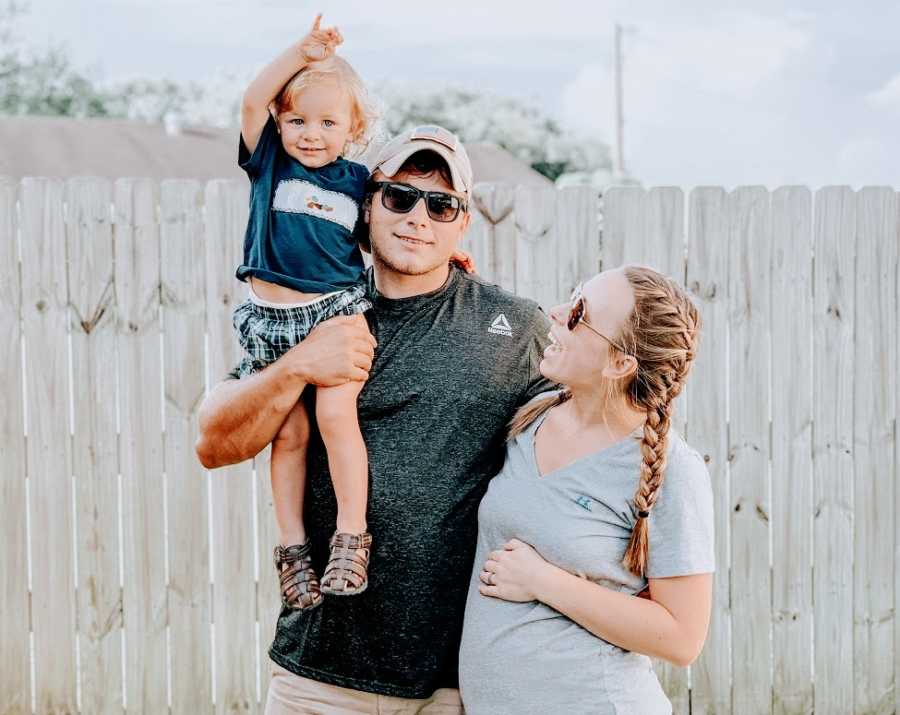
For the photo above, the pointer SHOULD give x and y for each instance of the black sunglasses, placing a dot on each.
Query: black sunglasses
(401, 198)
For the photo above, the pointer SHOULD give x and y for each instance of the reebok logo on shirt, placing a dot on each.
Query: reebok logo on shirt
(500, 326)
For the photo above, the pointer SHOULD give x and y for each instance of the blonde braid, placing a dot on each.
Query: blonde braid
(529, 412)
(662, 334)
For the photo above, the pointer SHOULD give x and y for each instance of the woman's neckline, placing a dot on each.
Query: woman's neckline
(626, 440)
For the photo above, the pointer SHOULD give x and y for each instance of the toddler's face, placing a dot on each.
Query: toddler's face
(317, 128)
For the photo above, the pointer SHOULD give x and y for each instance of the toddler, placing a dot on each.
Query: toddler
(299, 117)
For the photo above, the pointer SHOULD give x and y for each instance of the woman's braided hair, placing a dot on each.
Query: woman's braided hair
(661, 334)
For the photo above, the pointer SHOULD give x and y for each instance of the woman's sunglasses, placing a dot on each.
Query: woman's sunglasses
(576, 317)
(401, 198)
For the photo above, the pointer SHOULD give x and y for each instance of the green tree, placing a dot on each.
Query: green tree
(42, 83)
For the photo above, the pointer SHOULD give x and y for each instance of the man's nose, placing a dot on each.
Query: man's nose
(418, 214)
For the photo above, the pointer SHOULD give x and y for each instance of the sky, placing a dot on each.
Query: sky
(716, 93)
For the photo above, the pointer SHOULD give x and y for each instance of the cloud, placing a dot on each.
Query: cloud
(888, 97)
(689, 87)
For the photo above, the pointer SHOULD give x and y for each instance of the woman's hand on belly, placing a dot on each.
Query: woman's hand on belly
(514, 572)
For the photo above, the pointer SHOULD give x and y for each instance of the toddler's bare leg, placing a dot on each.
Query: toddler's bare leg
(289, 475)
(347, 458)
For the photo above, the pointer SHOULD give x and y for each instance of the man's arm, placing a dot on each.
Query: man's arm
(238, 418)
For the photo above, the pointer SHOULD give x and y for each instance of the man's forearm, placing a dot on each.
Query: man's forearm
(240, 417)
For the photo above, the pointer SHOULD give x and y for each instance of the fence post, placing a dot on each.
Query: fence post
(95, 449)
(833, 318)
(15, 670)
(184, 323)
(792, 500)
(144, 596)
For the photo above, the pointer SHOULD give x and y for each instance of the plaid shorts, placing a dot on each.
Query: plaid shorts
(267, 333)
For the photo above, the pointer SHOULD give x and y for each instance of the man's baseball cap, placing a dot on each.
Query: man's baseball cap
(428, 137)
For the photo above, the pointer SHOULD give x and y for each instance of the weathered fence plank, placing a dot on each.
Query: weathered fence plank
(896, 238)
(234, 587)
(577, 245)
(707, 393)
(833, 486)
(95, 450)
(624, 226)
(792, 450)
(144, 597)
(475, 241)
(896, 620)
(535, 212)
(663, 249)
(15, 673)
(184, 308)
(874, 410)
(45, 314)
(665, 240)
(268, 595)
(496, 202)
(748, 439)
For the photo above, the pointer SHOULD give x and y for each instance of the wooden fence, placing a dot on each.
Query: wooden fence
(132, 579)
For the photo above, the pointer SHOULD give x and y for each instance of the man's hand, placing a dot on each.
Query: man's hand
(320, 43)
(336, 351)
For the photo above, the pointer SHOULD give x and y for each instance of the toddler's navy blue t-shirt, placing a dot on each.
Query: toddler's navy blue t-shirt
(303, 228)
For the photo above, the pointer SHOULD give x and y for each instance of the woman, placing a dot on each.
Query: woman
(598, 499)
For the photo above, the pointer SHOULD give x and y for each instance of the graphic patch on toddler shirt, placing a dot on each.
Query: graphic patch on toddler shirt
(302, 197)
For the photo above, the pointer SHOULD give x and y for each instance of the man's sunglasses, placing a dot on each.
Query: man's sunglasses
(401, 198)
(576, 316)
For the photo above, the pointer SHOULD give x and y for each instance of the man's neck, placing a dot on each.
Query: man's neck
(395, 285)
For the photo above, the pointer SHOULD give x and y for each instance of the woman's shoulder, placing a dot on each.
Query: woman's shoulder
(685, 467)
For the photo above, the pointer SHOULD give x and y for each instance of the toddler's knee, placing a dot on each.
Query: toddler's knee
(333, 415)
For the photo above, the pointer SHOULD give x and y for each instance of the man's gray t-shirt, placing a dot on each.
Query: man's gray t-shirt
(522, 658)
(450, 369)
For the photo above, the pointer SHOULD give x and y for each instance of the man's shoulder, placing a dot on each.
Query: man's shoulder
(491, 296)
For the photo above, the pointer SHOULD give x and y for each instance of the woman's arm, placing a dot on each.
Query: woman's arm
(317, 45)
(671, 624)
(238, 418)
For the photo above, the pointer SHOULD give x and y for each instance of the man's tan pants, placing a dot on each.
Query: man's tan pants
(290, 694)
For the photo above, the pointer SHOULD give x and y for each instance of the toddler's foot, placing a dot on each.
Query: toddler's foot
(347, 572)
(299, 584)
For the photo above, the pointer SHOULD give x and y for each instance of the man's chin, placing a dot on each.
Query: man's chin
(405, 266)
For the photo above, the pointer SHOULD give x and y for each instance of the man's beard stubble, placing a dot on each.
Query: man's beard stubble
(405, 269)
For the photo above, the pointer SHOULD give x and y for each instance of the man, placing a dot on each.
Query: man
(455, 357)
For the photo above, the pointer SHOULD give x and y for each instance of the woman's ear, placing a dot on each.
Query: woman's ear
(621, 367)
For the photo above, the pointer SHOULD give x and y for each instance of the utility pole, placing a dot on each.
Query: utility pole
(619, 149)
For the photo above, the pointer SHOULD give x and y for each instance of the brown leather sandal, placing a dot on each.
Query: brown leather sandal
(299, 584)
(347, 572)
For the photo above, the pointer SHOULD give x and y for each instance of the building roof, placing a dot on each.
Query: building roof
(113, 148)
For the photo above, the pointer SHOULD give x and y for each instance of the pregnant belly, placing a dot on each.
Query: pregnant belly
(534, 660)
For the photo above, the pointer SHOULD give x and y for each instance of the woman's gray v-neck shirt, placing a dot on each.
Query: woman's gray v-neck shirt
(522, 658)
